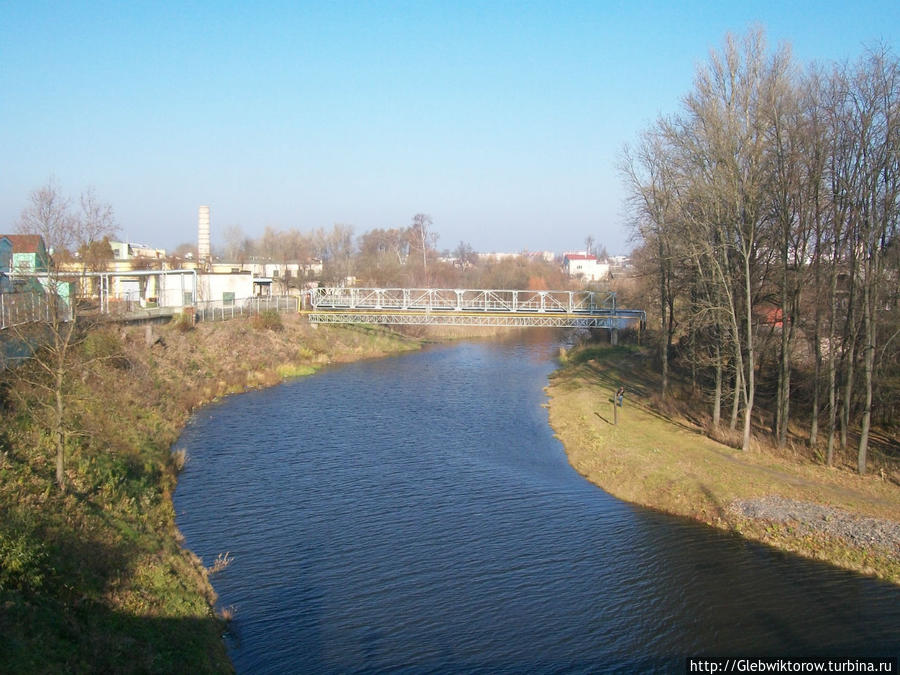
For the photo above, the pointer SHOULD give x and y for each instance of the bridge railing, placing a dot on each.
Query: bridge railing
(463, 300)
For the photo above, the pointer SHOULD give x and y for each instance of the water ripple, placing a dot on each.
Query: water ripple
(418, 515)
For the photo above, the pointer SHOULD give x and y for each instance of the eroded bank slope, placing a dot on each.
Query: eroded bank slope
(655, 461)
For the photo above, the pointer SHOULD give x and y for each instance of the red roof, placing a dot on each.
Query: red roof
(580, 256)
(25, 243)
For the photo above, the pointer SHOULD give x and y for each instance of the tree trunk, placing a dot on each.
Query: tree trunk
(665, 332)
(61, 338)
(785, 406)
(784, 360)
(58, 434)
(787, 327)
(870, 302)
(717, 397)
(694, 385)
(832, 368)
(751, 355)
(869, 367)
(851, 334)
(736, 400)
(847, 394)
(817, 370)
(817, 330)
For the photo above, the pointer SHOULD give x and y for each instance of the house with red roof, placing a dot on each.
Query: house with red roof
(20, 256)
(28, 253)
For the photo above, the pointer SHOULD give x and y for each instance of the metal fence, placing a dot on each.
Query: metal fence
(17, 309)
(21, 308)
(220, 310)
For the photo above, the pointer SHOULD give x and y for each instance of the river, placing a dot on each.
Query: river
(416, 513)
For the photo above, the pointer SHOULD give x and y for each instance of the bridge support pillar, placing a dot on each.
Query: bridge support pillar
(613, 336)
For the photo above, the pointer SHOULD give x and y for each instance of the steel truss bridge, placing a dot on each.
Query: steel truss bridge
(468, 307)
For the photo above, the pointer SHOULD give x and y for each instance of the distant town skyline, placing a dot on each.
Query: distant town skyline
(503, 121)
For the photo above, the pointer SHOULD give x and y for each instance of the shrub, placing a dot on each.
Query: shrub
(101, 345)
(183, 322)
(267, 320)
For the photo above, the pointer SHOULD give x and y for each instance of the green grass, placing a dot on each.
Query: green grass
(289, 370)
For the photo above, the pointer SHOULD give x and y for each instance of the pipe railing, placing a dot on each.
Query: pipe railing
(463, 300)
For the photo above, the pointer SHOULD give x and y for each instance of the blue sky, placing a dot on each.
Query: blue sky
(502, 120)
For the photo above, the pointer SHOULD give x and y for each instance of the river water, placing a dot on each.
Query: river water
(416, 513)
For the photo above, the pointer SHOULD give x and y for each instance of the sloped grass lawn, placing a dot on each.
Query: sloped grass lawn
(665, 462)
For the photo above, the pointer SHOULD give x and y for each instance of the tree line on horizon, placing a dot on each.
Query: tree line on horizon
(766, 212)
(391, 256)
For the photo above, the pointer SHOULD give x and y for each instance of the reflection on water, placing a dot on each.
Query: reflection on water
(417, 513)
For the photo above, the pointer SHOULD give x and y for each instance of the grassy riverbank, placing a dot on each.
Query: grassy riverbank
(662, 460)
(94, 579)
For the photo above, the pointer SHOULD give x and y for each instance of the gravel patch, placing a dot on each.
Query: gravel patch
(810, 518)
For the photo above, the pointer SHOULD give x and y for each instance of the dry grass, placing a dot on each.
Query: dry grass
(216, 359)
(222, 561)
(268, 320)
(227, 614)
(663, 459)
(179, 459)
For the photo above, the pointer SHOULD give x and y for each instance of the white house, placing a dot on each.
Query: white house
(585, 266)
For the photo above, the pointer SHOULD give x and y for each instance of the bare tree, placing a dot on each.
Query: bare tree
(652, 189)
(465, 255)
(48, 372)
(235, 250)
(96, 221)
(49, 214)
(727, 118)
(788, 198)
(876, 97)
(423, 239)
(94, 226)
(335, 248)
(588, 244)
(813, 160)
(383, 255)
(51, 375)
(783, 189)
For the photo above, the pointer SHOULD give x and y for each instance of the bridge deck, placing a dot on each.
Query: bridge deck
(470, 307)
